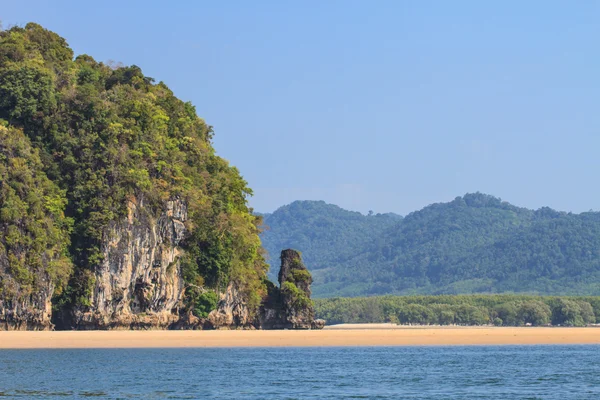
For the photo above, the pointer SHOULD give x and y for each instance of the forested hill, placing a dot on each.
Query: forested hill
(112, 198)
(473, 244)
(326, 234)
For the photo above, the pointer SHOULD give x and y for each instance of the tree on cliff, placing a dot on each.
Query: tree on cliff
(105, 135)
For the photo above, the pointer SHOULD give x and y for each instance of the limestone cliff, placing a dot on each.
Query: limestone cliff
(232, 311)
(295, 280)
(285, 307)
(138, 284)
(290, 306)
(26, 312)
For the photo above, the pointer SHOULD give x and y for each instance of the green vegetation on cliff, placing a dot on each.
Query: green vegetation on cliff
(501, 310)
(105, 136)
(34, 232)
(474, 244)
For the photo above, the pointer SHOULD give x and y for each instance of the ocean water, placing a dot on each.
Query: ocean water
(486, 372)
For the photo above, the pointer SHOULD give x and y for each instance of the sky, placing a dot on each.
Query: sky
(371, 105)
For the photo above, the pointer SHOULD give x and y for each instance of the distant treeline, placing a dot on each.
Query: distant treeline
(499, 310)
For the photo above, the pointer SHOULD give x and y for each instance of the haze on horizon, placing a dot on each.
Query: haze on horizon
(386, 107)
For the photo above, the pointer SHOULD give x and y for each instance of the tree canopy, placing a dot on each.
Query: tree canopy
(500, 310)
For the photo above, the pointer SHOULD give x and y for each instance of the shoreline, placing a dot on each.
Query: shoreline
(402, 336)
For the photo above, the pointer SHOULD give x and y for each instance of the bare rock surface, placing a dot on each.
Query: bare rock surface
(232, 311)
(139, 284)
(27, 312)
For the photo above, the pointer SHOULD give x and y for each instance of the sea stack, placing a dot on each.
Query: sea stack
(289, 306)
(294, 283)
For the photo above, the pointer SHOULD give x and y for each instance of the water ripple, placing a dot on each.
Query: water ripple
(492, 372)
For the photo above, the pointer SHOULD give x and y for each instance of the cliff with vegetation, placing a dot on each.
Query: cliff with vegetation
(473, 244)
(34, 236)
(115, 211)
(289, 306)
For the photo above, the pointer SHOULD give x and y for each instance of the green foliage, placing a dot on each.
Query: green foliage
(25, 91)
(508, 313)
(34, 232)
(202, 303)
(534, 312)
(296, 296)
(500, 310)
(205, 304)
(325, 234)
(300, 275)
(109, 136)
(467, 314)
(474, 244)
(567, 312)
(415, 314)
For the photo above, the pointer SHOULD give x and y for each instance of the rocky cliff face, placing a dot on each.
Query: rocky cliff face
(285, 307)
(139, 284)
(232, 311)
(78, 141)
(22, 312)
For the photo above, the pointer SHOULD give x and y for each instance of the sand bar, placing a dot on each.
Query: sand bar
(327, 337)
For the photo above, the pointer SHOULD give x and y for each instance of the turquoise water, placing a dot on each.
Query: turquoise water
(490, 372)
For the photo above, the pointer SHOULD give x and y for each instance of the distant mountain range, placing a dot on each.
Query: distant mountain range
(473, 244)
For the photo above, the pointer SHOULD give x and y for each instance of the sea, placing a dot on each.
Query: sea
(457, 372)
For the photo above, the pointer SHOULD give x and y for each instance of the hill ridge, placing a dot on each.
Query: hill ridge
(476, 243)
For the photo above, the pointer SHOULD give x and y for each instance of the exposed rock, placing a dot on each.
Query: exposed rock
(318, 324)
(285, 307)
(139, 284)
(272, 313)
(19, 312)
(188, 321)
(294, 280)
(289, 306)
(293, 270)
(232, 311)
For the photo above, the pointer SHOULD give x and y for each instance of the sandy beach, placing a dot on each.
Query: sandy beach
(328, 337)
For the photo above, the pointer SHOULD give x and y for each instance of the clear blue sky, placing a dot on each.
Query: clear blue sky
(382, 105)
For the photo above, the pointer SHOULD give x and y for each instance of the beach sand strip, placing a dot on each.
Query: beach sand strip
(424, 336)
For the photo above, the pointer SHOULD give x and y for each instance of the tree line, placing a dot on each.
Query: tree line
(499, 310)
